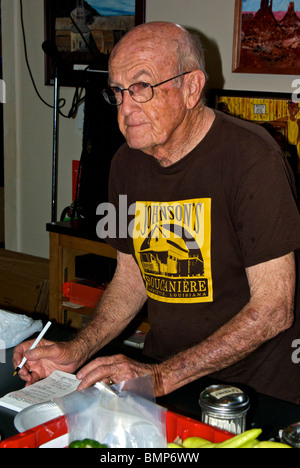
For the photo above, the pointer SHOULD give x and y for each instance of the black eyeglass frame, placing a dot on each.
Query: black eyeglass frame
(122, 90)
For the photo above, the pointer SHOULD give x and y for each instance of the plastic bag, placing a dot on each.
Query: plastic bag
(115, 415)
(15, 328)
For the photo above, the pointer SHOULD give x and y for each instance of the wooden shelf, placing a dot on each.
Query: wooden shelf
(67, 241)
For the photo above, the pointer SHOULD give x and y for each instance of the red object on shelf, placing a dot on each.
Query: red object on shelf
(66, 289)
(176, 425)
(85, 292)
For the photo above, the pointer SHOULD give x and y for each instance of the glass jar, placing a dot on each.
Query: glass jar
(224, 406)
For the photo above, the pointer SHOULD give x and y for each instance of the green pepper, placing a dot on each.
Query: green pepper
(86, 443)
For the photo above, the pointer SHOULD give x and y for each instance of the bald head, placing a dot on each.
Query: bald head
(163, 59)
(178, 45)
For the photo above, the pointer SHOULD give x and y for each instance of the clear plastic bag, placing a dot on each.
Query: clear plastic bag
(122, 416)
(15, 328)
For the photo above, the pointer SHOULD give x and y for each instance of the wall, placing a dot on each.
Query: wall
(28, 134)
(28, 122)
(214, 19)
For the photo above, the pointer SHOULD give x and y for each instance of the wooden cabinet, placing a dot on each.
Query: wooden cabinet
(67, 241)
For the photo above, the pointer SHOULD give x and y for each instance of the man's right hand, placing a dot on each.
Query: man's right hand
(45, 358)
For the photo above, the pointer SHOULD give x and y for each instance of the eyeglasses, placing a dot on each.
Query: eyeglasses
(140, 92)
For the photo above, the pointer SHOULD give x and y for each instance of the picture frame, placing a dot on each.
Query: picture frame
(80, 34)
(266, 40)
(276, 112)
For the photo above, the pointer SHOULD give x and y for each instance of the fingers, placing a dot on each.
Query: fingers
(18, 355)
(100, 369)
(44, 359)
(19, 352)
(23, 349)
(49, 356)
(31, 378)
(112, 369)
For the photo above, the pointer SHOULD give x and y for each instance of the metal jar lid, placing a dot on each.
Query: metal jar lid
(224, 400)
(291, 435)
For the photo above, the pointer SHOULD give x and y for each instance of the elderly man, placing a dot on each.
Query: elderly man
(211, 238)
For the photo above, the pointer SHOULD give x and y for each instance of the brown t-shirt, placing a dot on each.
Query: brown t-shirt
(194, 226)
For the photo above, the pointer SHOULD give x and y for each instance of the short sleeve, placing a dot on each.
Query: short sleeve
(266, 216)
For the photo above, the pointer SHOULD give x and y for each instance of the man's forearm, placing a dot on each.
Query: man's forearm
(121, 301)
(269, 312)
(228, 345)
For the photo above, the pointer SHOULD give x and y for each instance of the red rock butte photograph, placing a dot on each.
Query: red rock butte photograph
(270, 39)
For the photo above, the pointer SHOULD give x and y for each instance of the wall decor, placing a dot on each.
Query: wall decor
(266, 37)
(275, 111)
(81, 34)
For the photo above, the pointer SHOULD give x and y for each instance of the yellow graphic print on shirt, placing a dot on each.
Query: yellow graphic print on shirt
(172, 243)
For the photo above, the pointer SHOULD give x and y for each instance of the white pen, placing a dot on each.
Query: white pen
(34, 345)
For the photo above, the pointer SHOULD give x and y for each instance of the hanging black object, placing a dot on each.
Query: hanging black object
(101, 139)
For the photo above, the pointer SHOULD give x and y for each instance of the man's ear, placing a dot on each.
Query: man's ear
(195, 83)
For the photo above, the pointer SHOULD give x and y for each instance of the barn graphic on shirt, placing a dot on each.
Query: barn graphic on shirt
(169, 257)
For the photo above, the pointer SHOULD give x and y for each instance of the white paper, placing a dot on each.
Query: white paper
(56, 385)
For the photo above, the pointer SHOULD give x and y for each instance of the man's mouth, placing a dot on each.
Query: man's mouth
(134, 124)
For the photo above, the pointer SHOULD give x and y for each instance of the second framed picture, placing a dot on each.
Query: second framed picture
(276, 112)
(82, 33)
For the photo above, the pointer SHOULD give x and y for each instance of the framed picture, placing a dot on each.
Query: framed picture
(81, 34)
(275, 111)
(266, 37)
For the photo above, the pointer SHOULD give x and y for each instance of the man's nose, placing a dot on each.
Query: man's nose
(128, 104)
